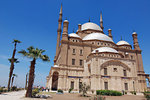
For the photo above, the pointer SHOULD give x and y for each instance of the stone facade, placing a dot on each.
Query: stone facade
(76, 63)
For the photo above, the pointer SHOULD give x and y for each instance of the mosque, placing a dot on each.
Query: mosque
(90, 56)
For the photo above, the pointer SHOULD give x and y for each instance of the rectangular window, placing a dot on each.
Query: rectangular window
(124, 72)
(72, 85)
(126, 86)
(81, 61)
(106, 85)
(89, 68)
(74, 51)
(73, 61)
(81, 52)
(105, 71)
(80, 84)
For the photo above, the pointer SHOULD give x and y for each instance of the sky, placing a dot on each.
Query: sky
(35, 23)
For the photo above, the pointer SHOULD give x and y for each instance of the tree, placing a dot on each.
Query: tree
(14, 75)
(84, 88)
(35, 54)
(12, 62)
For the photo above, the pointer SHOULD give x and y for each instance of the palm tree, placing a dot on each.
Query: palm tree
(12, 62)
(35, 54)
(14, 75)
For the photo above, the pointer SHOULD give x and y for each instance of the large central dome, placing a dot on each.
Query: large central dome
(97, 36)
(90, 25)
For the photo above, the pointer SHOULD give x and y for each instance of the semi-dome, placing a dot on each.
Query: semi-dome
(105, 49)
(97, 36)
(90, 25)
(74, 35)
(123, 43)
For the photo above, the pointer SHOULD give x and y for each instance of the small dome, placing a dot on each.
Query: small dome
(66, 20)
(105, 49)
(55, 66)
(74, 35)
(97, 36)
(134, 33)
(90, 25)
(123, 43)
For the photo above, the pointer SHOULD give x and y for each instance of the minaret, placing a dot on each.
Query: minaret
(109, 33)
(101, 21)
(59, 31)
(140, 68)
(135, 41)
(65, 30)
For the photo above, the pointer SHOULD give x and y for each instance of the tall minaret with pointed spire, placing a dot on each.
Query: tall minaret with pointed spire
(59, 30)
(101, 21)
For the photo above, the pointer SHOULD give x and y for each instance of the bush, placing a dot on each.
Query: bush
(125, 92)
(70, 90)
(133, 92)
(14, 88)
(1, 90)
(35, 91)
(147, 95)
(61, 91)
(108, 92)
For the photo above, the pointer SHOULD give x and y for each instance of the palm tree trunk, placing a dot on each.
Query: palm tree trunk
(10, 75)
(12, 82)
(26, 81)
(11, 67)
(31, 78)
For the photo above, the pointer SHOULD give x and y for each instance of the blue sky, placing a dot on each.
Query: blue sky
(34, 22)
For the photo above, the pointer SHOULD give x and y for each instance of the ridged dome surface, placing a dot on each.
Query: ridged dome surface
(90, 25)
(123, 43)
(105, 49)
(97, 36)
(74, 35)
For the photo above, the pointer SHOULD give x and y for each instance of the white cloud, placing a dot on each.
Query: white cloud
(4, 57)
(4, 66)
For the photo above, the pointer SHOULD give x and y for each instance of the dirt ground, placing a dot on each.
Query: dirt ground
(68, 96)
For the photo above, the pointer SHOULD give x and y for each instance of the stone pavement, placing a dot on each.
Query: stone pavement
(17, 95)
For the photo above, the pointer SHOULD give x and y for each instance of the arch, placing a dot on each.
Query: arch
(114, 62)
(55, 80)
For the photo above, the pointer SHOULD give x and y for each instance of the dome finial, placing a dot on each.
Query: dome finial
(121, 37)
(89, 19)
(133, 30)
(73, 30)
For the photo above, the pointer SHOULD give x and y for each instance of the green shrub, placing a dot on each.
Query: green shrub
(108, 92)
(59, 90)
(147, 94)
(70, 90)
(125, 92)
(35, 91)
(14, 88)
(1, 90)
(133, 92)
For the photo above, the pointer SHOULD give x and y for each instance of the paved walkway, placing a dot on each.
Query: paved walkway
(17, 95)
